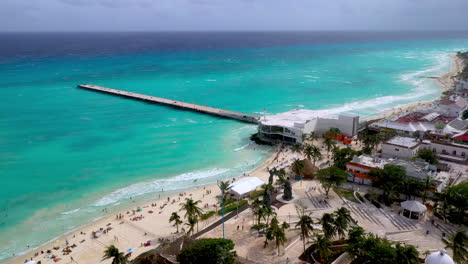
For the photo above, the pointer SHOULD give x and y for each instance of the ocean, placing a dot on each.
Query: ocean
(68, 155)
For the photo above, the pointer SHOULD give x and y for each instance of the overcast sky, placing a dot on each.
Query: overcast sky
(158, 15)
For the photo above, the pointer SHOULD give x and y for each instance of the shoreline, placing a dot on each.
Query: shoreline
(444, 80)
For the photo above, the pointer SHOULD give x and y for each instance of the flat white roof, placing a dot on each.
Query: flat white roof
(245, 185)
(369, 161)
(301, 116)
(406, 142)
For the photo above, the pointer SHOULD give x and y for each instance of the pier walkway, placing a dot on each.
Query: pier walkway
(177, 104)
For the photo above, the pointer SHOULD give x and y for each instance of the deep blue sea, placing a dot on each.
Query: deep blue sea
(66, 153)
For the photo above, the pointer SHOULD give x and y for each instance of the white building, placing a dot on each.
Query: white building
(452, 105)
(290, 126)
(400, 147)
(359, 167)
(447, 151)
(244, 186)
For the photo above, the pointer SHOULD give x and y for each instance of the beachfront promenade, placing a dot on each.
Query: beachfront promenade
(178, 104)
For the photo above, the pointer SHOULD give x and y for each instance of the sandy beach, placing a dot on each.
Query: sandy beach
(140, 228)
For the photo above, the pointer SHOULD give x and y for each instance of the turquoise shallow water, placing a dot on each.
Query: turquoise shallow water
(66, 153)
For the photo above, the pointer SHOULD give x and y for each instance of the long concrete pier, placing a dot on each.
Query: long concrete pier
(177, 104)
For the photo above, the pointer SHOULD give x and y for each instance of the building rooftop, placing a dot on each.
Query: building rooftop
(405, 142)
(369, 161)
(296, 116)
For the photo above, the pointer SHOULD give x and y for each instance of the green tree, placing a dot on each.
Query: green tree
(427, 185)
(191, 222)
(192, 211)
(372, 249)
(411, 187)
(342, 156)
(322, 248)
(330, 144)
(176, 219)
(333, 132)
(355, 234)
(342, 220)
(312, 152)
(389, 179)
(313, 136)
(276, 232)
(328, 225)
(296, 148)
(406, 254)
(331, 177)
(208, 251)
(305, 223)
(456, 199)
(298, 167)
(117, 257)
(223, 186)
(458, 242)
(427, 155)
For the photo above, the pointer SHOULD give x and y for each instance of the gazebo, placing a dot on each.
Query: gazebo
(413, 209)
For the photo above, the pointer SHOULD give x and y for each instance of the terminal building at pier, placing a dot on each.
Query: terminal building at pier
(289, 127)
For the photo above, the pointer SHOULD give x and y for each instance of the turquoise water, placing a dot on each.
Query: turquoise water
(66, 153)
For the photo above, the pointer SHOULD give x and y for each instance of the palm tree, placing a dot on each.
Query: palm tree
(333, 132)
(192, 211)
(298, 166)
(330, 143)
(267, 213)
(406, 254)
(176, 219)
(191, 224)
(304, 137)
(327, 221)
(322, 248)
(342, 220)
(113, 252)
(223, 186)
(458, 243)
(305, 223)
(296, 148)
(427, 185)
(313, 136)
(276, 232)
(257, 206)
(312, 152)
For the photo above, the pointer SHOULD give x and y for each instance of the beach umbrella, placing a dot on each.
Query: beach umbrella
(130, 250)
(31, 262)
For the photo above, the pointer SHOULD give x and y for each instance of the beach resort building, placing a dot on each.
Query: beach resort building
(400, 147)
(452, 105)
(448, 151)
(289, 127)
(359, 167)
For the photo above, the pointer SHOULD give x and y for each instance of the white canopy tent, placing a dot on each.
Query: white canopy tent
(31, 262)
(245, 186)
(413, 209)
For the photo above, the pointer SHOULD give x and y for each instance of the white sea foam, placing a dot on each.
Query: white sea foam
(191, 121)
(311, 76)
(71, 211)
(181, 181)
(243, 147)
(210, 80)
(421, 88)
(173, 119)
